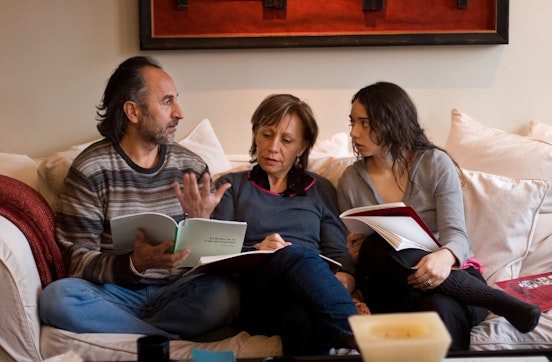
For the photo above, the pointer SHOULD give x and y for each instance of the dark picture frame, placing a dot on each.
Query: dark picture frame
(176, 19)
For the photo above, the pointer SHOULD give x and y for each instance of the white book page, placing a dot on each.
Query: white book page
(206, 237)
(206, 259)
(372, 207)
(406, 227)
(395, 229)
(397, 241)
(157, 227)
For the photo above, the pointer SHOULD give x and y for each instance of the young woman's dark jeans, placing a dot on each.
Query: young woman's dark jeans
(381, 277)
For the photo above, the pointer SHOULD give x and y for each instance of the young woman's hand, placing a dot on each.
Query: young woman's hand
(272, 242)
(432, 269)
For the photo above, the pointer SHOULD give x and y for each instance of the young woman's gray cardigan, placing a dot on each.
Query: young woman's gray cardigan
(434, 191)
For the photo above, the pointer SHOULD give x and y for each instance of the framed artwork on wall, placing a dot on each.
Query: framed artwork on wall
(232, 24)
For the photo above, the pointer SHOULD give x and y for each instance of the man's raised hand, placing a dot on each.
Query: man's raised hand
(196, 201)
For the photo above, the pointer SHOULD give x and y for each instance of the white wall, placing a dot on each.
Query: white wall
(57, 55)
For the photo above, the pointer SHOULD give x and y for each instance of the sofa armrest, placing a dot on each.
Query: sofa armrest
(20, 332)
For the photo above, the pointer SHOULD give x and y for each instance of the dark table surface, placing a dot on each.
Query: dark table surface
(357, 358)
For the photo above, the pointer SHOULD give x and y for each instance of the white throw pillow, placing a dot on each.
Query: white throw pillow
(52, 172)
(540, 131)
(478, 147)
(481, 148)
(330, 167)
(335, 146)
(501, 214)
(540, 255)
(19, 167)
(203, 141)
(330, 157)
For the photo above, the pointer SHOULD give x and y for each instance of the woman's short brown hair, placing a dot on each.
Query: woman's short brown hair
(273, 109)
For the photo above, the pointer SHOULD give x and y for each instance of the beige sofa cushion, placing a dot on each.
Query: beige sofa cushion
(496, 333)
(19, 167)
(122, 347)
(539, 131)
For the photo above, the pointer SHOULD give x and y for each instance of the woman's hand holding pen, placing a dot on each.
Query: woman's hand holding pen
(272, 242)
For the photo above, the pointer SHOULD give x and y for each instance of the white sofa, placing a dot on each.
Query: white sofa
(508, 210)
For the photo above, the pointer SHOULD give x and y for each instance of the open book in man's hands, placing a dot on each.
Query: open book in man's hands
(397, 223)
(204, 237)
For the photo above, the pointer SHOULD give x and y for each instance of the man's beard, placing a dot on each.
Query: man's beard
(156, 136)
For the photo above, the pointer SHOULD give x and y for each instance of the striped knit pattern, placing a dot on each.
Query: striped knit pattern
(103, 183)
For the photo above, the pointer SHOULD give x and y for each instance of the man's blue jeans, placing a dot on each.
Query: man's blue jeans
(296, 296)
(186, 308)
